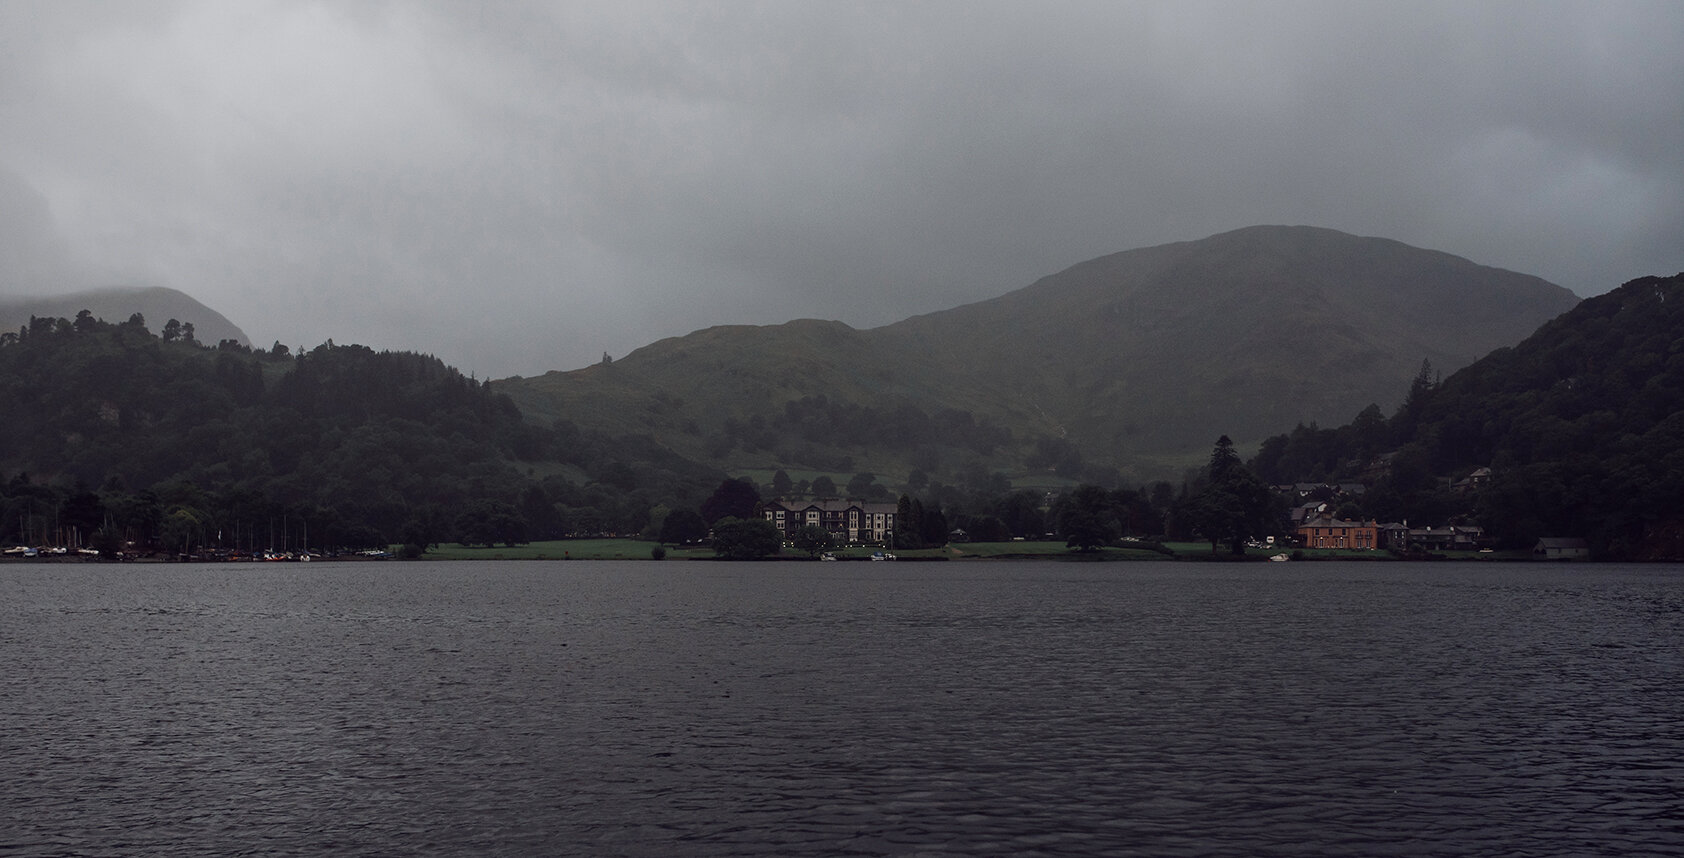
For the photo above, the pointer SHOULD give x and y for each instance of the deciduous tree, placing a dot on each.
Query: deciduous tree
(735, 498)
(683, 526)
(813, 538)
(750, 539)
(1085, 519)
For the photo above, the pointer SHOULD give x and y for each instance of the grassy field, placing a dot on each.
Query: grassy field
(1049, 550)
(565, 549)
(1201, 551)
(635, 549)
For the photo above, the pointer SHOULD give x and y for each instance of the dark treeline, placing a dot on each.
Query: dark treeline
(118, 435)
(121, 439)
(1224, 503)
(1581, 426)
(114, 435)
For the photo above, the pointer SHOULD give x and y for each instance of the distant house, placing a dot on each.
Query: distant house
(1394, 535)
(1473, 482)
(1306, 512)
(1325, 531)
(1323, 490)
(1561, 548)
(1470, 537)
(1455, 537)
(851, 521)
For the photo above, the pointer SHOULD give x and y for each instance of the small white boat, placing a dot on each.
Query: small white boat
(1279, 558)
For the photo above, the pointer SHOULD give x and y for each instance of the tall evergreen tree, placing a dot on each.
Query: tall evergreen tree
(1234, 506)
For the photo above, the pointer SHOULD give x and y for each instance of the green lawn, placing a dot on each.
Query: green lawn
(563, 549)
(1201, 551)
(636, 549)
(624, 549)
(1048, 549)
(1487, 555)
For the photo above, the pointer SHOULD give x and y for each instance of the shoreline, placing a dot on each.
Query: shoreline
(628, 550)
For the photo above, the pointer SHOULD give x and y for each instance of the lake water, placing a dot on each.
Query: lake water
(655, 709)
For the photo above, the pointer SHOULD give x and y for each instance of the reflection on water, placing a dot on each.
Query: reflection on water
(836, 709)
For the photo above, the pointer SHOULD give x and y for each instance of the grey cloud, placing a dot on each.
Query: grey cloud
(522, 186)
(32, 257)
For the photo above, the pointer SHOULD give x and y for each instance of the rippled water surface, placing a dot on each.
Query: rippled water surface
(841, 709)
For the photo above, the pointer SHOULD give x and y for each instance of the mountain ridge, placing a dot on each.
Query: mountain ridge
(1162, 309)
(158, 304)
(1145, 353)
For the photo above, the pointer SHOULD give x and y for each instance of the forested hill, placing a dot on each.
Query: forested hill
(165, 440)
(1126, 366)
(1243, 333)
(1581, 424)
(157, 303)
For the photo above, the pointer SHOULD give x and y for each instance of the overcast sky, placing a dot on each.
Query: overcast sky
(517, 187)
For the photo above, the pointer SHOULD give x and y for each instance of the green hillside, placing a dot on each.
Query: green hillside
(112, 430)
(1243, 333)
(807, 395)
(1128, 365)
(1581, 426)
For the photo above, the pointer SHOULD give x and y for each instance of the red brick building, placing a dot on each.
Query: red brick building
(1329, 532)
